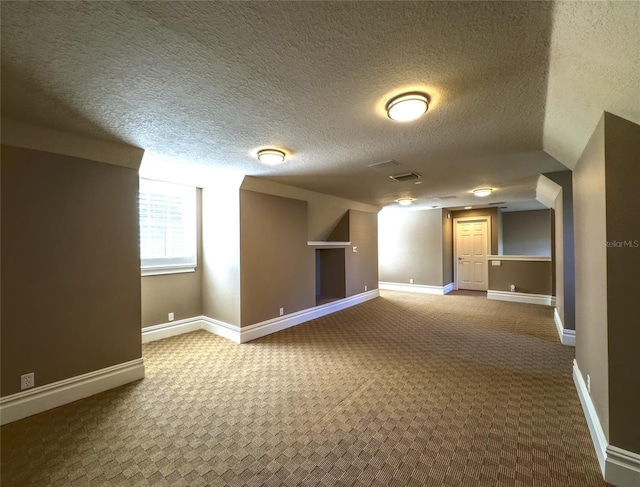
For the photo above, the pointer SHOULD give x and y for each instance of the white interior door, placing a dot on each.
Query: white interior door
(471, 255)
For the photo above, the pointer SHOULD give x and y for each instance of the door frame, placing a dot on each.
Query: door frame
(486, 218)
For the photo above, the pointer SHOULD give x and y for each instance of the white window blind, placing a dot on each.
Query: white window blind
(167, 227)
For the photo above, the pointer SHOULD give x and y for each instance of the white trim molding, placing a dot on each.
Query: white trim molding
(547, 191)
(33, 401)
(328, 244)
(448, 288)
(172, 328)
(247, 333)
(619, 467)
(515, 297)
(267, 327)
(523, 258)
(622, 467)
(160, 270)
(222, 329)
(593, 422)
(567, 337)
(416, 288)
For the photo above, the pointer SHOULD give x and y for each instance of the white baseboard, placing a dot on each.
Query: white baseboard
(622, 467)
(516, 297)
(416, 288)
(242, 335)
(567, 337)
(593, 422)
(220, 328)
(172, 328)
(32, 401)
(267, 327)
(619, 467)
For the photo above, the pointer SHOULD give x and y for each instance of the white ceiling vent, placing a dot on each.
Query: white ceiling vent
(405, 177)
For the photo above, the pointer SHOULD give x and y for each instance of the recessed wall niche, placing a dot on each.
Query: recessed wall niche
(330, 275)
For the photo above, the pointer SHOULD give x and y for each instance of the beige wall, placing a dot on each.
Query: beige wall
(500, 237)
(221, 251)
(606, 203)
(591, 271)
(362, 266)
(410, 247)
(70, 266)
(447, 247)
(325, 211)
(564, 248)
(559, 268)
(532, 277)
(526, 233)
(242, 253)
(180, 294)
(622, 153)
(27, 136)
(277, 267)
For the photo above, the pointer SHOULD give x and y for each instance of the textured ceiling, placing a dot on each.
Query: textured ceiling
(209, 83)
(594, 67)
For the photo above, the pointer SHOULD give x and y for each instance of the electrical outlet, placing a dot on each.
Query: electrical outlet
(281, 311)
(513, 288)
(588, 383)
(27, 381)
(410, 281)
(365, 288)
(171, 316)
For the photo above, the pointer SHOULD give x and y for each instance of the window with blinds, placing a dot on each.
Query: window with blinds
(167, 227)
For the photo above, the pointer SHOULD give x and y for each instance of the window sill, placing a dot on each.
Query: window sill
(161, 270)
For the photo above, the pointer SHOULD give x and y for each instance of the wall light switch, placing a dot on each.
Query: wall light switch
(355, 249)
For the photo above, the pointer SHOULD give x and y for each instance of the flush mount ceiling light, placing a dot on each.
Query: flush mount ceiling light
(482, 192)
(407, 107)
(271, 156)
(405, 201)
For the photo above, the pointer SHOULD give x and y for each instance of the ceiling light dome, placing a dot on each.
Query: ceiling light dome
(407, 107)
(482, 192)
(405, 201)
(271, 156)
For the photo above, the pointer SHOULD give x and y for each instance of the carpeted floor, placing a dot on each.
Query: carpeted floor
(404, 390)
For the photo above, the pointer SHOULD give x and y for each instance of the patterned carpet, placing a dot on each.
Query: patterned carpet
(403, 390)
